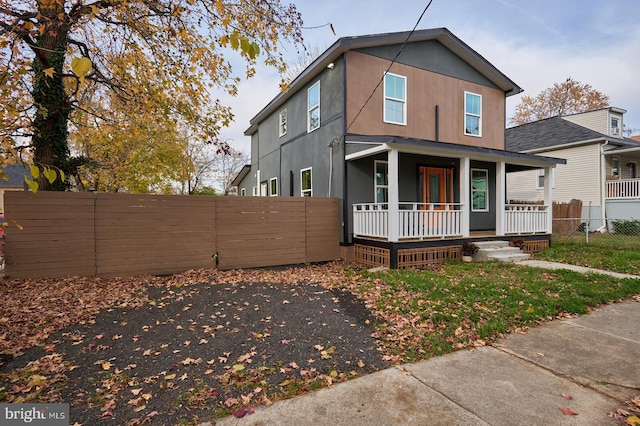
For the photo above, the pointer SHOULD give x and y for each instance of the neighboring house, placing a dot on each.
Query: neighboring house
(601, 169)
(16, 174)
(410, 138)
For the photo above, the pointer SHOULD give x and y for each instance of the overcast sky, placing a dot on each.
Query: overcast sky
(535, 43)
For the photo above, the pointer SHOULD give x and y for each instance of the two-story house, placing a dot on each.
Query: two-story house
(601, 169)
(407, 130)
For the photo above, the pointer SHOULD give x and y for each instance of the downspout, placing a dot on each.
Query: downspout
(603, 185)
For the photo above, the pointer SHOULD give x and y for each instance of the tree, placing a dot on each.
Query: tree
(568, 97)
(158, 57)
(227, 168)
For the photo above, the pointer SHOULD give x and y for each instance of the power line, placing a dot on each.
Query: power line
(388, 69)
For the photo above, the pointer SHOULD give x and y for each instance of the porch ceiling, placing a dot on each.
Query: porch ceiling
(516, 161)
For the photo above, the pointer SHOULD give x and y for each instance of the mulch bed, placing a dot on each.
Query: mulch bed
(186, 348)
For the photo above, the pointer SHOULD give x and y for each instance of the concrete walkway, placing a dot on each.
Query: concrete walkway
(588, 365)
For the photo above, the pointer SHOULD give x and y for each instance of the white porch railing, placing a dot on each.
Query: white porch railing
(526, 218)
(371, 220)
(623, 189)
(415, 220)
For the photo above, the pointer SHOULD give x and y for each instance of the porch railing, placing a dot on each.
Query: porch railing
(623, 189)
(526, 218)
(371, 220)
(415, 220)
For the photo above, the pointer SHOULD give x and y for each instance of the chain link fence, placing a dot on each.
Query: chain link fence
(617, 233)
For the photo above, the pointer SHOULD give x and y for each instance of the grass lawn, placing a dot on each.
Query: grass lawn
(612, 252)
(427, 313)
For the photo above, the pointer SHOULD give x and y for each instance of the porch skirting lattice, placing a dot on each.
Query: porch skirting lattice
(420, 258)
(372, 257)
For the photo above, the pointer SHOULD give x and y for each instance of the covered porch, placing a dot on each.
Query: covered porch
(423, 191)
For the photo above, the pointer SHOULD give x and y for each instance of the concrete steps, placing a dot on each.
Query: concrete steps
(498, 250)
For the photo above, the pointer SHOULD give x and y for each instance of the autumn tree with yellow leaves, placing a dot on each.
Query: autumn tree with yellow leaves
(98, 69)
(568, 97)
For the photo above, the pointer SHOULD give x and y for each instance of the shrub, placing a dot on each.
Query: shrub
(627, 227)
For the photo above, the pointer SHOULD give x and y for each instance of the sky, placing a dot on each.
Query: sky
(534, 43)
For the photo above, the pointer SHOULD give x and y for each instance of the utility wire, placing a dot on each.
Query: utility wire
(388, 69)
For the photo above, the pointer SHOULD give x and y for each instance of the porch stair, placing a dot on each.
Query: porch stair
(498, 250)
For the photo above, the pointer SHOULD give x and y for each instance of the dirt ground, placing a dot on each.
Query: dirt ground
(184, 349)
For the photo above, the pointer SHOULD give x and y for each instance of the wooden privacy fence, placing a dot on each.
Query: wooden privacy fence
(87, 234)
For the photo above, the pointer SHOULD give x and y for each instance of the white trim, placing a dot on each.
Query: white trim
(375, 181)
(271, 182)
(402, 101)
(368, 152)
(310, 109)
(617, 169)
(243, 192)
(471, 190)
(254, 191)
(282, 130)
(310, 190)
(464, 121)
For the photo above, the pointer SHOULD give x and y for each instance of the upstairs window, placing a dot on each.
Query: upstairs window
(395, 99)
(282, 123)
(313, 107)
(305, 183)
(472, 114)
(273, 187)
(382, 182)
(615, 126)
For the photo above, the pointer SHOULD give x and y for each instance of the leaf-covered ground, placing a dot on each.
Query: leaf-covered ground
(195, 346)
(184, 348)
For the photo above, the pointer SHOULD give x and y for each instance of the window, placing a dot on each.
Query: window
(282, 124)
(540, 179)
(382, 182)
(273, 186)
(305, 182)
(313, 107)
(395, 99)
(615, 166)
(615, 126)
(472, 114)
(243, 191)
(479, 190)
(254, 191)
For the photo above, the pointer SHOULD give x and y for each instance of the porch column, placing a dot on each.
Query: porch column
(394, 198)
(465, 198)
(501, 195)
(548, 195)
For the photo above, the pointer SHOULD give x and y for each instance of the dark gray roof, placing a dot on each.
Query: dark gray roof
(16, 173)
(344, 44)
(555, 132)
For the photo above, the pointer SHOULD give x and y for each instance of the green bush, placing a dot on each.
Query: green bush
(627, 227)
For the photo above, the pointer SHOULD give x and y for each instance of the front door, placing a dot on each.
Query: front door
(436, 186)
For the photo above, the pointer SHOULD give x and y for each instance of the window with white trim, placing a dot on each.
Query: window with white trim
(313, 107)
(395, 99)
(540, 179)
(615, 126)
(273, 187)
(305, 183)
(254, 191)
(615, 166)
(472, 114)
(381, 184)
(243, 191)
(282, 123)
(479, 190)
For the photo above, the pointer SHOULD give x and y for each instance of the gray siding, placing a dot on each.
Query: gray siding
(431, 56)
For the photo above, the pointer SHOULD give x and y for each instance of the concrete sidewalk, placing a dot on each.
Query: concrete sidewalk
(588, 364)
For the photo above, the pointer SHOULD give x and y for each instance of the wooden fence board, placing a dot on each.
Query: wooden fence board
(127, 234)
